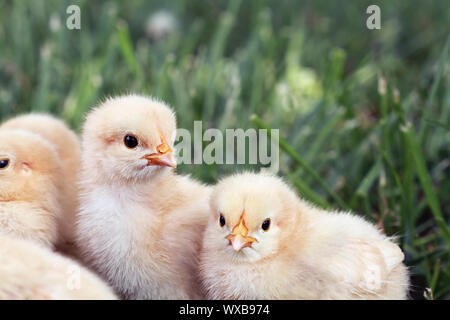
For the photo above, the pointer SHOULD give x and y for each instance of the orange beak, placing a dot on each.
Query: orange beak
(239, 238)
(163, 156)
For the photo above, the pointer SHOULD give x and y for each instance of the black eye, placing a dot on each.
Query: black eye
(266, 224)
(131, 141)
(4, 164)
(221, 220)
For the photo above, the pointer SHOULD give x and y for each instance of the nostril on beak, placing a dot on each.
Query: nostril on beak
(163, 148)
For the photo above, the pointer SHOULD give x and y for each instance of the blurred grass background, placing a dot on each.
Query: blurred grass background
(364, 115)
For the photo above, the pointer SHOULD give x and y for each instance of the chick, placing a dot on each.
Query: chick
(29, 271)
(140, 225)
(30, 180)
(263, 242)
(68, 148)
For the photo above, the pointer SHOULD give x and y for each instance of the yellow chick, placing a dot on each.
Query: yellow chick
(31, 272)
(68, 148)
(30, 180)
(140, 225)
(263, 242)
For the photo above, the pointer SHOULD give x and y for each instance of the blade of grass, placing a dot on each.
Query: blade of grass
(433, 91)
(162, 87)
(309, 194)
(127, 50)
(290, 151)
(427, 239)
(442, 292)
(435, 277)
(424, 178)
(403, 212)
(323, 135)
(218, 46)
(368, 180)
(437, 123)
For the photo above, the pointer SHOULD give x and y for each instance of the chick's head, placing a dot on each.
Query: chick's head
(254, 216)
(29, 167)
(129, 138)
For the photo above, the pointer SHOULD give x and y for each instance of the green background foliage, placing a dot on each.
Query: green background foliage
(363, 114)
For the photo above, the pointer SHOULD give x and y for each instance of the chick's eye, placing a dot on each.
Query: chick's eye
(4, 164)
(222, 220)
(266, 224)
(131, 142)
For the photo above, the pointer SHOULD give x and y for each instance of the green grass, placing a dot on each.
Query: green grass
(364, 116)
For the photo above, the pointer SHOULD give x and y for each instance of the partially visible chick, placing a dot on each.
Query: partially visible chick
(68, 148)
(31, 272)
(30, 180)
(263, 242)
(140, 224)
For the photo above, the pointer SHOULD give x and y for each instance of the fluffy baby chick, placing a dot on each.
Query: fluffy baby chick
(140, 224)
(262, 242)
(30, 180)
(68, 149)
(29, 271)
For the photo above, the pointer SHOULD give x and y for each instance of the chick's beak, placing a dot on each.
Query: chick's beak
(239, 238)
(163, 157)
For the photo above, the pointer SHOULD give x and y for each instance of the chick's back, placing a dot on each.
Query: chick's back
(31, 272)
